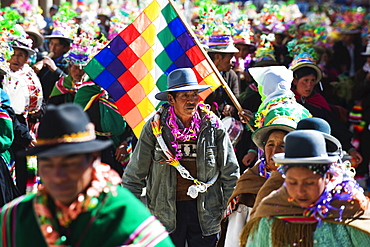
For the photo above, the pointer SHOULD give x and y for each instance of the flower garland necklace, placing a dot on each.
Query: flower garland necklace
(173, 160)
(184, 135)
(104, 180)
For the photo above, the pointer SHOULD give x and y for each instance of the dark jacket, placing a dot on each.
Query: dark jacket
(48, 78)
(341, 57)
(338, 129)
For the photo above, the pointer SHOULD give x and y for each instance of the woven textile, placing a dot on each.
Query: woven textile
(134, 66)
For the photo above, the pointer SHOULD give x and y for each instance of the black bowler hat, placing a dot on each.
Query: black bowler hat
(304, 147)
(66, 129)
(333, 146)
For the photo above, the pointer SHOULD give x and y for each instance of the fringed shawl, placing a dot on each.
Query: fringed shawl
(249, 184)
(287, 231)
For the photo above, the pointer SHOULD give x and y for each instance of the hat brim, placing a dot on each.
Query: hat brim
(350, 31)
(67, 148)
(333, 146)
(266, 63)
(365, 54)
(57, 37)
(259, 135)
(311, 65)
(244, 43)
(29, 51)
(39, 38)
(281, 159)
(228, 49)
(163, 95)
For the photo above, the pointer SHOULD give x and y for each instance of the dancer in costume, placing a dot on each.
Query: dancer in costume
(8, 190)
(189, 162)
(66, 87)
(54, 65)
(279, 114)
(26, 99)
(109, 124)
(306, 75)
(80, 201)
(320, 204)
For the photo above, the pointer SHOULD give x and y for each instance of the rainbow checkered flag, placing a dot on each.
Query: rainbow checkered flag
(134, 66)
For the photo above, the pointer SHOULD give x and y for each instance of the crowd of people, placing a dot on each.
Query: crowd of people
(287, 164)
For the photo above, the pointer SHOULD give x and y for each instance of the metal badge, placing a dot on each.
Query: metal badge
(193, 191)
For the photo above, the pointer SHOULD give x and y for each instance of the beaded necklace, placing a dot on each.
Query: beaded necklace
(264, 171)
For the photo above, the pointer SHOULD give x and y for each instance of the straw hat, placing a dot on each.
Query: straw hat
(32, 30)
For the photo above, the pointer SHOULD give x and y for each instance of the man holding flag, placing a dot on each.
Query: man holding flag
(183, 150)
(186, 161)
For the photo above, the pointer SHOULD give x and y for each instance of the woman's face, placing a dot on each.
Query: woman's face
(304, 186)
(18, 59)
(274, 145)
(305, 85)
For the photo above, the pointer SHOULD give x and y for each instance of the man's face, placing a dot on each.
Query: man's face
(348, 38)
(76, 72)
(66, 176)
(18, 59)
(53, 12)
(224, 63)
(244, 50)
(185, 103)
(57, 48)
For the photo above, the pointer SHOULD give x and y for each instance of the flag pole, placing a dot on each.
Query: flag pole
(223, 83)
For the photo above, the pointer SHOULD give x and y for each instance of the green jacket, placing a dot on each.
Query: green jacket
(102, 112)
(6, 135)
(118, 220)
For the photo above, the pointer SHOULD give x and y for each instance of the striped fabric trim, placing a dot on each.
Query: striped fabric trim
(9, 220)
(149, 233)
(92, 100)
(107, 134)
(297, 219)
(59, 85)
(109, 104)
(88, 83)
(231, 206)
(5, 115)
